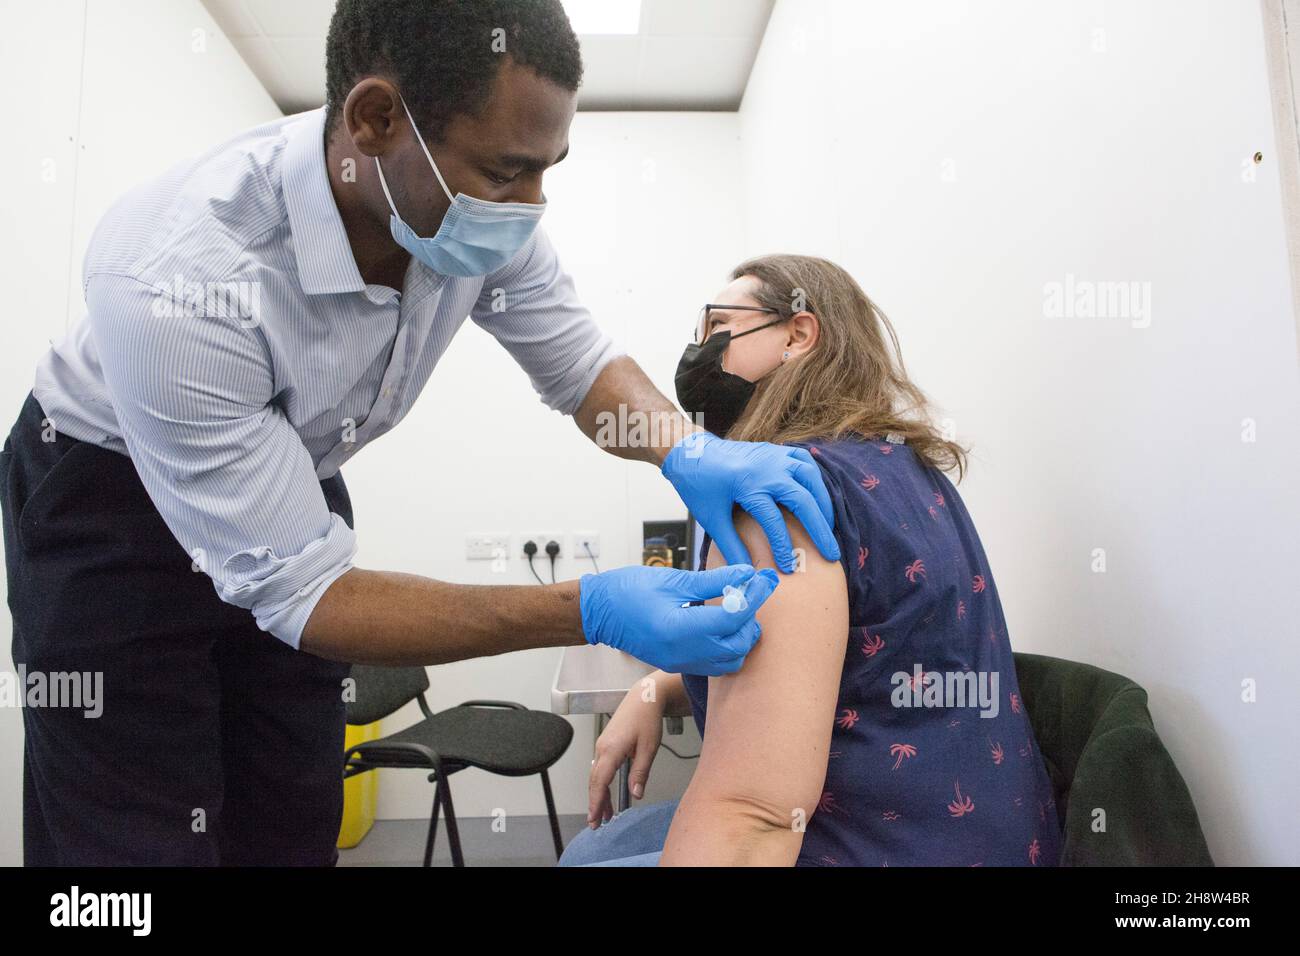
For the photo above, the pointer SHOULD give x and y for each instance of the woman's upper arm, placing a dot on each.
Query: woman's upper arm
(768, 726)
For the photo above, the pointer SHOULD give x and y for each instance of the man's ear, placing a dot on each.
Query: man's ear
(373, 117)
(805, 330)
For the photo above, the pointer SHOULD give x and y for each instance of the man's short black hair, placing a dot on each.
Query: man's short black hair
(444, 54)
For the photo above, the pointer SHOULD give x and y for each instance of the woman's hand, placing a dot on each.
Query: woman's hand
(633, 732)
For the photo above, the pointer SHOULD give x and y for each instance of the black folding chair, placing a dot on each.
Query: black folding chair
(493, 735)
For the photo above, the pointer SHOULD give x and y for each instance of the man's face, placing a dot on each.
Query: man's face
(499, 155)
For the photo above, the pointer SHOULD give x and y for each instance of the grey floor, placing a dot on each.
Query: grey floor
(526, 841)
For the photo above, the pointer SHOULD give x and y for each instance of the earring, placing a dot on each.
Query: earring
(784, 356)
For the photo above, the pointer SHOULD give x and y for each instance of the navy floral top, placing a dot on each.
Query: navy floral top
(918, 775)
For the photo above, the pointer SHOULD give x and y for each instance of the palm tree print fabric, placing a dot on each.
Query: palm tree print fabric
(909, 784)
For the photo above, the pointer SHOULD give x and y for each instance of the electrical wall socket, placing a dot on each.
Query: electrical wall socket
(541, 538)
(582, 540)
(485, 547)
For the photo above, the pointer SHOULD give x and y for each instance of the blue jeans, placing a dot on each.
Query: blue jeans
(634, 837)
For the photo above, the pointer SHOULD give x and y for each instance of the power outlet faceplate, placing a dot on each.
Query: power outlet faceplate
(487, 547)
(582, 540)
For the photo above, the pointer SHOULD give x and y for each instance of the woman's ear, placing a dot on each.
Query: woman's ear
(804, 333)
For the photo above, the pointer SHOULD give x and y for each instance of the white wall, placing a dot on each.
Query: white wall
(109, 93)
(957, 157)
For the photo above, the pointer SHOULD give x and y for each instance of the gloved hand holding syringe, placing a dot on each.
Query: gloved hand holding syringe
(733, 599)
(644, 611)
(649, 613)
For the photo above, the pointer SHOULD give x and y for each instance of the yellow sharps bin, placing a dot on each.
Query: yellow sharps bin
(360, 793)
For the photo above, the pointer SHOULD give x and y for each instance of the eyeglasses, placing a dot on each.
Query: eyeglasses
(702, 324)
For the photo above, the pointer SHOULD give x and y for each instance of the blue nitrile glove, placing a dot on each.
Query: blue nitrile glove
(639, 610)
(712, 475)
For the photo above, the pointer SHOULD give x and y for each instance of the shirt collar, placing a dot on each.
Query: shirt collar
(320, 243)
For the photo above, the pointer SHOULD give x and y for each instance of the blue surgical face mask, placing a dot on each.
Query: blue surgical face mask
(476, 237)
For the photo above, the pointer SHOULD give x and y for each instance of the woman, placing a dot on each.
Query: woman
(878, 721)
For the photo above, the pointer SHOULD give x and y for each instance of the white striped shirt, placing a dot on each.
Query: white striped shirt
(232, 349)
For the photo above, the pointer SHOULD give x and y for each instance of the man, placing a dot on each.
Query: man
(254, 317)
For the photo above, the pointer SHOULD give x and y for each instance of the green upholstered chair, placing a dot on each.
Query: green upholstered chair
(1102, 751)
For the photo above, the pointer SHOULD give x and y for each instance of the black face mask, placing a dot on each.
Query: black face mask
(708, 393)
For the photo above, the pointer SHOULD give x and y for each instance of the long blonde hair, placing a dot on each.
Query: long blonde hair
(852, 381)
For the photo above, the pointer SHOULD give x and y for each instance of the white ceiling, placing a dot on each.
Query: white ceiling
(688, 54)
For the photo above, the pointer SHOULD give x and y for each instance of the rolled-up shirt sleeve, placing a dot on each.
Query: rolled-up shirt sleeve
(531, 307)
(194, 398)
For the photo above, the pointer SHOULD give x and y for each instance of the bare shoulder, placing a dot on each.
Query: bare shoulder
(810, 604)
(809, 561)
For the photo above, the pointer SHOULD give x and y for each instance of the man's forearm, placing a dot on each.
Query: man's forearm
(627, 416)
(384, 617)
